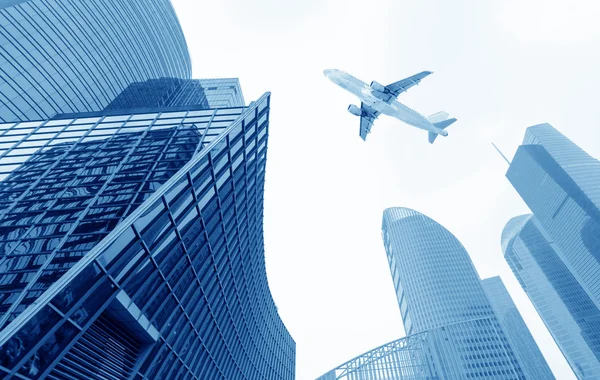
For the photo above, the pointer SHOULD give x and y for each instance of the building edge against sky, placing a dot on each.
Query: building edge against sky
(198, 237)
(437, 285)
(526, 349)
(156, 251)
(459, 326)
(560, 183)
(563, 305)
(59, 57)
(555, 253)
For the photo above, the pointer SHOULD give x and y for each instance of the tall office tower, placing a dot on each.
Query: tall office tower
(131, 246)
(566, 308)
(531, 359)
(174, 92)
(437, 287)
(561, 185)
(435, 280)
(60, 56)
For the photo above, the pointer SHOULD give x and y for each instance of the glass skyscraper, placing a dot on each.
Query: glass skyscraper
(567, 310)
(560, 183)
(60, 56)
(531, 359)
(132, 247)
(435, 280)
(453, 331)
(131, 203)
(438, 287)
(555, 254)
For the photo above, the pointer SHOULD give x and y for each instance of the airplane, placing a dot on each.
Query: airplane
(377, 99)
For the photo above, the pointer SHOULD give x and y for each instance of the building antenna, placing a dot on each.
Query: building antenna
(503, 156)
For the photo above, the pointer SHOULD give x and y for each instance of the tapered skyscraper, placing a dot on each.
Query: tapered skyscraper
(453, 331)
(437, 285)
(555, 253)
(435, 280)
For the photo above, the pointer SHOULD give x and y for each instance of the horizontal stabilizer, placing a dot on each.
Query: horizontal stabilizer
(440, 125)
(444, 124)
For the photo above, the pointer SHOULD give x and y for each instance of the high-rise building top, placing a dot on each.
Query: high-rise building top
(561, 185)
(435, 280)
(566, 308)
(439, 292)
(529, 356)
(174, 92)
(453, 330)
(63, 56)
(223, 92)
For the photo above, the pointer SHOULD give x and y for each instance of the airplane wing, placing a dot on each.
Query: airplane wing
(403, 85)
(366, 120)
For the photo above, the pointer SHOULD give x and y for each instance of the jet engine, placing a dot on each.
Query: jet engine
(378, 87)
(354, 110)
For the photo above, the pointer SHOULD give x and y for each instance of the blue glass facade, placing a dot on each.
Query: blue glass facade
(531, 359)
(132, 247)
(566, 309)
(561, 244)
(438, 289)
(61, 56)
(435, 280)
(223, 92)
(560, 184)
(174, 92)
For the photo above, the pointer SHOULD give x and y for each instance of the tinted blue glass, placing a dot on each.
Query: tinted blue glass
(533, 363)
(556, 253)
(567, 310)
(181, 274)
(439, 290)
(71, 56)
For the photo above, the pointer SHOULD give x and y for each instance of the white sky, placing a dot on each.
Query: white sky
(499, 67)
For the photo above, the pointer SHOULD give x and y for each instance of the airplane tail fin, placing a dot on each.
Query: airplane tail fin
(432, 137)
(439, 120)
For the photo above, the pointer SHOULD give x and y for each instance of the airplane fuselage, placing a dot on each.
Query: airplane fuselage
(392, 108)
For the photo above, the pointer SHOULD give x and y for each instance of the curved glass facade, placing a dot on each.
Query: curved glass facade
(61, 56)
(140, 240)
(439, 291)
(436, 282)
(566, 309)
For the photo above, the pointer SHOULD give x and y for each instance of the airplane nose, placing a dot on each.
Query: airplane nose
(328, 72)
